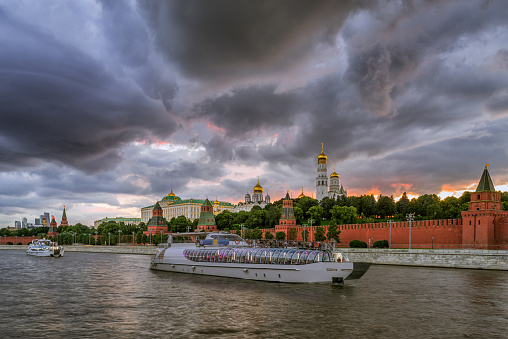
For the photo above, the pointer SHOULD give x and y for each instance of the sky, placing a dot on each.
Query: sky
(105, 106)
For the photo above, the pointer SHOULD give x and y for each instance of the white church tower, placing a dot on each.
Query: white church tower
(322, 176)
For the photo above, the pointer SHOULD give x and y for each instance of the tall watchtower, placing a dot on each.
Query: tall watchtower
(484, 224)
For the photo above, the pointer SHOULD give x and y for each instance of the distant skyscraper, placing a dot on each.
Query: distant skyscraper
(17, 224)
(45, 219)
(37, 221)
(24, 222)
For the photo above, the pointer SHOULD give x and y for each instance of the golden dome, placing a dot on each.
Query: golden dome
(322, 157)
(301, 195)
(216, 202)
(258, 188)
(334, 174)
(171, 194)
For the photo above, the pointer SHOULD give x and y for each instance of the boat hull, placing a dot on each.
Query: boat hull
(46, 253)
(320, 272)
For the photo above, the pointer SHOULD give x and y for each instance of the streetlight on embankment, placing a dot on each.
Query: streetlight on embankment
(410, 217)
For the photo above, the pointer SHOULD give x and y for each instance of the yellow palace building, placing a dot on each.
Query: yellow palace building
(173, 207)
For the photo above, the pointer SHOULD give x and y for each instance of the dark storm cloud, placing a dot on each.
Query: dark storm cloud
(389, 54)
(229, 39)
(58, 104)
(129, 43)
(246, 110)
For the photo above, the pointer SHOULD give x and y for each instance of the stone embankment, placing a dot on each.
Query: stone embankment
(475, 259)
(147, 250)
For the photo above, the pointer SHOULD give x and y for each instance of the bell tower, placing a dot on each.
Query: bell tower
(322, 176)
(483, 225)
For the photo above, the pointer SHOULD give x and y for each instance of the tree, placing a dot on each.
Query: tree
(224, 220)
(333, 232)
(319, 235)
(344, 214)
(280, 235)
(403, 204)
(315, 213)
(179, 224)
(450, 207)
(268, 235)
(305, 203)
(272, 215)
(241, 217)
(386, 206)
(256, 233)
(292, 233)
(434, 211)
(256, 218)
(327, 203)
(298, 215)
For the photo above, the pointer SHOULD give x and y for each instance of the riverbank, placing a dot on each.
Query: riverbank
(474, 259)
(146, 250)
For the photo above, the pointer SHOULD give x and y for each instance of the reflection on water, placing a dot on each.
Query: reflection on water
(90, 295)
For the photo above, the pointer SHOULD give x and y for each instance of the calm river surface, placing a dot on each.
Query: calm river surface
(93, 295)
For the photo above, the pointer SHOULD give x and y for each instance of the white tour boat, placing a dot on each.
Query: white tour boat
(228, 255)
(45, 248)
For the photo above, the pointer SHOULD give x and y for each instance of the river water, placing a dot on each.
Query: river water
(94, 295)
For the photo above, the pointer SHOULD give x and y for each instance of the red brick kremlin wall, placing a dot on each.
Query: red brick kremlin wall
(16, 240)
(444, 233)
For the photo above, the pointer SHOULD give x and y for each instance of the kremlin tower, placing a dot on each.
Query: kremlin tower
(157, 223)
(287, 217)
(53, 228)
(207, 218)
(64, 221)
(485, 224)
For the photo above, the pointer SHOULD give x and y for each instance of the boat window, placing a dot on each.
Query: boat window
(242, 255)
(274, 255)
(289, 254)
(295, 259)
(326, 257)
(303, 256)
(311, 256)
(256, 255)
(282, 257)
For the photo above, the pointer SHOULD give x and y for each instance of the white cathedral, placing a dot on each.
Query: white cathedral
(322, 190)
(256, 200)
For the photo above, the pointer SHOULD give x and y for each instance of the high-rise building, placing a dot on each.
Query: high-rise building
(17, 224)
(24, 222)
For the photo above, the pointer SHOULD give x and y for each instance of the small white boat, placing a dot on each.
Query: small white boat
(45, 248)
(228, 255)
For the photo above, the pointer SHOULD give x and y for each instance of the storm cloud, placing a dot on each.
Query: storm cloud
(107, 106)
